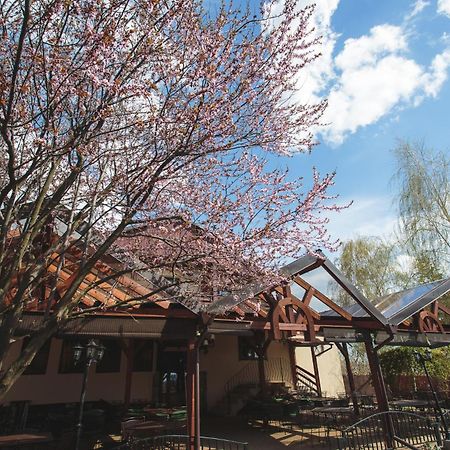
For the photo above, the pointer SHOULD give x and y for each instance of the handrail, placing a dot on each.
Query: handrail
(307, 372)
(276, 370)
(244, 375)
(306, 378)
(399, 426)
(384, 413)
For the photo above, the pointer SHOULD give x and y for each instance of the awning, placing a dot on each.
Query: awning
(119, 327)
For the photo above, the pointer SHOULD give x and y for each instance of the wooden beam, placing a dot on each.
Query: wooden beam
(444, 309)
(308, 296)
(259, 311)
(324, 299)
(316, 371)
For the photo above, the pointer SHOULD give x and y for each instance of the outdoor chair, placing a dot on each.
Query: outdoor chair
(127, 424)
(340, 402)
(290, 413)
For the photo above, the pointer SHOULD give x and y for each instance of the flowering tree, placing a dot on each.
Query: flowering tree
(141, 130)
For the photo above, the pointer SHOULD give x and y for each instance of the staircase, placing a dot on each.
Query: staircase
(244, 384)
(306, 382)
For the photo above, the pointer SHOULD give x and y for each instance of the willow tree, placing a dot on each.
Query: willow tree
(124, 126)
(424, 208)
(371, 264)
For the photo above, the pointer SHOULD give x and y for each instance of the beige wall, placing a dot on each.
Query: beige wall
(54, 387)
(330, 370)
(220, 364)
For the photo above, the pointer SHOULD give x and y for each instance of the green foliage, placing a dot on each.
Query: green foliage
(402, 361)
(371, 265)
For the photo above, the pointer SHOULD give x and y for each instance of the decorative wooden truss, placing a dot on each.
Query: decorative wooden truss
(288, 317)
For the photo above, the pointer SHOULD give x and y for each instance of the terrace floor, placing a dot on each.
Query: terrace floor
(262, 438)
(258, 437)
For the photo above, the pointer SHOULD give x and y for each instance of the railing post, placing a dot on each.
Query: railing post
(341, 442)
(437, 430)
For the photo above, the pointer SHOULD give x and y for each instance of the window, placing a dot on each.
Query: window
(247, 349)
(111, 357)
(38, 365)
(143, 356)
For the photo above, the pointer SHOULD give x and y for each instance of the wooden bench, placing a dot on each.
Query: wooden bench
(23, 439)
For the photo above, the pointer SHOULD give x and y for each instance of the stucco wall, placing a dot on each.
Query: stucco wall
(220, 364)
(54, 387)
(330, 370)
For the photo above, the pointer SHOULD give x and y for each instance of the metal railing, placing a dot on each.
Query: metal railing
(391, 429)
(247, 375)
(276, 370)
(180, 442)
(306, 379)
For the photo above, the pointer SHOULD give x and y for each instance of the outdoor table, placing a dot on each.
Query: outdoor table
(412, 403)
(163, 413)
(332, 413)
(144, 429)
(333, 410)
(152, 427)
(12, 440)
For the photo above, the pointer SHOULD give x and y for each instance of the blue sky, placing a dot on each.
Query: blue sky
(384, 69)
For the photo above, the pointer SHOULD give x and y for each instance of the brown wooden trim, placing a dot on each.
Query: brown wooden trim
(323, 298)
(316, 371)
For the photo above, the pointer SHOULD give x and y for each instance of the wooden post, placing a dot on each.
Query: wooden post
(380, 389)
(129, 353)
(316, 371)
(351, 379)
(197, 397)
(293, 363)
(262, 374)
(192, 396)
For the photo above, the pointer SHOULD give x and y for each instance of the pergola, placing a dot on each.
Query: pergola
(412, 317)
(294, 311)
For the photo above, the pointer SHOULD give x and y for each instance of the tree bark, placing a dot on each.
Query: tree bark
(13, 372)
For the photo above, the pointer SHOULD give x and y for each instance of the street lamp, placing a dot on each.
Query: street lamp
(94, 353)
(422, 360)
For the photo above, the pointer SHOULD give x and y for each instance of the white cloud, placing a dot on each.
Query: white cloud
(375, 75)
(367, 216)
(438, 74)
(372, 76)
(444, 7)
(419, 6)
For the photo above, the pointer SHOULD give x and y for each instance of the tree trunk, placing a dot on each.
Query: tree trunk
(38, 339)
(8, 326)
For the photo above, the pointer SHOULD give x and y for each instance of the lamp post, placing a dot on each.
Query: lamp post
(422, 359)
(94, 354)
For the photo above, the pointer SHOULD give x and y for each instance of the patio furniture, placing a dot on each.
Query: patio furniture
(128, 424)
(25, 439)
(412, 404)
